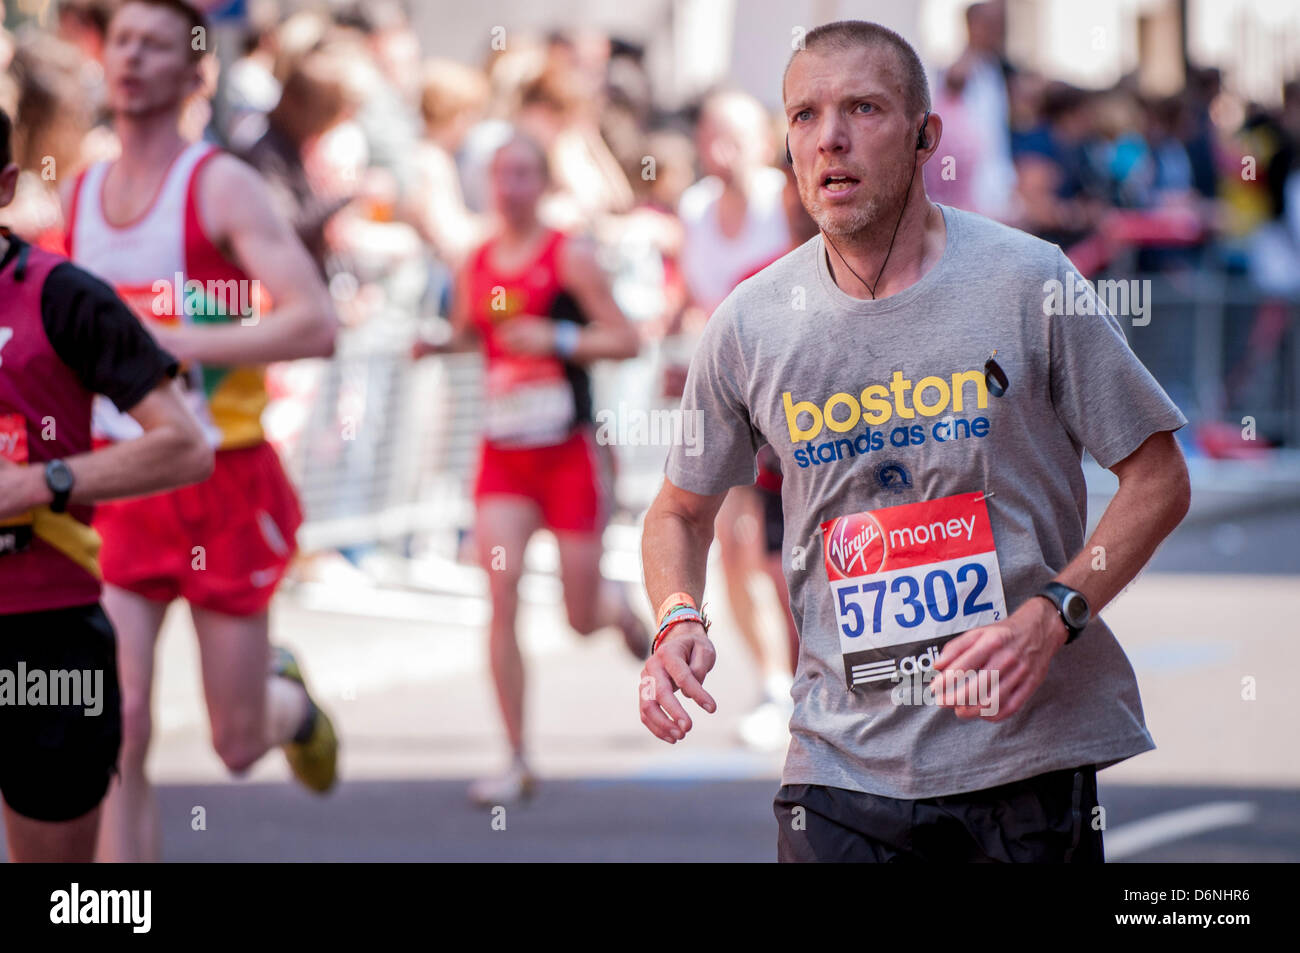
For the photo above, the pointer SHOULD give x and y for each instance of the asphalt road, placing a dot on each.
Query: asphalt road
(619, 820)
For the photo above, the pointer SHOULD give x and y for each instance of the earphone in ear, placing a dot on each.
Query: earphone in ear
(788, 158)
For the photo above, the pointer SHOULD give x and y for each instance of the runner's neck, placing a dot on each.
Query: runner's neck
(149, 145)
(520, 236)
(514, 248)
(139, 173)
(917, 248)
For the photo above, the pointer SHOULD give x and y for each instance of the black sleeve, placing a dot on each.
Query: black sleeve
(97, 336)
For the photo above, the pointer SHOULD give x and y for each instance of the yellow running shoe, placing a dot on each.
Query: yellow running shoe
(313, 753)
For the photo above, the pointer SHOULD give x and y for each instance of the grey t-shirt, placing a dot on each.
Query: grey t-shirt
(874, 404)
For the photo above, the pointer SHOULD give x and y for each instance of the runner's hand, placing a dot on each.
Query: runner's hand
(1019, 650)
(527, 335)
(684, 657)
(422, 348)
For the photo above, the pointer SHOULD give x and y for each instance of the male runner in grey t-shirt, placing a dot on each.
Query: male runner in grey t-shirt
(930, 418)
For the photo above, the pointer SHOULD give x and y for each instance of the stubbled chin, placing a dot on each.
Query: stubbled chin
(834, 213)
(841, 222)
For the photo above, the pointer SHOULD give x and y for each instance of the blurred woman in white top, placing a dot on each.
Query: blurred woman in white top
(735, 223)
(734, 217)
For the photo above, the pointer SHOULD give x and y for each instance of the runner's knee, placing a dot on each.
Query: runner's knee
(238, 745)
(582, 615)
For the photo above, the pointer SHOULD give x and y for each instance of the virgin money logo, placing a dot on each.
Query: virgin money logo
(855, 546)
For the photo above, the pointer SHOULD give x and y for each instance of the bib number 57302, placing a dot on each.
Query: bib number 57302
(941, 602)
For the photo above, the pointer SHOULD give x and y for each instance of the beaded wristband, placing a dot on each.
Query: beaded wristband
(680, 612)
(673, 612)
(676, 616)
(672, 602)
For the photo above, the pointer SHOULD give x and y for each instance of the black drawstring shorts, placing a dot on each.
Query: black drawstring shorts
(1046, 819)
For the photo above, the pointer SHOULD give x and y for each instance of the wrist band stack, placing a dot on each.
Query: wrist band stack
(677, 608)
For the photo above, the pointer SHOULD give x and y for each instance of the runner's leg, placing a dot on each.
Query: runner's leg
(592, 601)
(575, 497)
(130, 831)
(250, 710)
(776, 572)
(757, 533)
(502, 529)
(51, 841)
(737, 530)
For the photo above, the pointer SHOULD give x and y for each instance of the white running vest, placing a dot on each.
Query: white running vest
(142, 260)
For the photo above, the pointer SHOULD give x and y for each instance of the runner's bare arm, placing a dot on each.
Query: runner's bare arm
(237, 215)
(608, 335)
(674, 552)
(172, 452)
(1153, 497)
(463, 336)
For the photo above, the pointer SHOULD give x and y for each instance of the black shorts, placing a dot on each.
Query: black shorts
(57, 754)
(1048, 818)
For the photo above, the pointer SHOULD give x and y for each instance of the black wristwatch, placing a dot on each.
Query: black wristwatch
(1072, 605)
(58, 477)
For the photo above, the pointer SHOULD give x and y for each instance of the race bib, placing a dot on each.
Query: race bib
(905, 579)
(15, 532)
(528, 403)
(152, 307)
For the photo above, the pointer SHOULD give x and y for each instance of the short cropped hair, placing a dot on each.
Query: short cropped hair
(193, 16)
(844, 35)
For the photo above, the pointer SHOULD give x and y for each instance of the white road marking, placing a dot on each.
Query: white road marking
(1130, 839)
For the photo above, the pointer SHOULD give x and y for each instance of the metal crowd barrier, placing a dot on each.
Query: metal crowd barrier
(1223, 350)
(382, 447)
(385, 448)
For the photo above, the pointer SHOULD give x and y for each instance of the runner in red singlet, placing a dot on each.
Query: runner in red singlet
(538, 304)
(187, 235)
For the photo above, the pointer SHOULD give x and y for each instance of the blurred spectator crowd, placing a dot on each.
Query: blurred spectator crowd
(378, 155)
(1200, 178)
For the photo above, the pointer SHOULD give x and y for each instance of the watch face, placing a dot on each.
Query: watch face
(60, 477)
(1075, 608)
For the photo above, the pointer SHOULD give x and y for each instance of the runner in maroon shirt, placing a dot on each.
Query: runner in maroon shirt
(64, 336)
